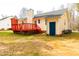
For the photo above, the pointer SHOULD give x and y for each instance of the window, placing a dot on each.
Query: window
(45, 22)
(39, 21)
(35, 22)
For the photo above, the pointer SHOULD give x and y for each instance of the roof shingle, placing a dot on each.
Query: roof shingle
(51, 13)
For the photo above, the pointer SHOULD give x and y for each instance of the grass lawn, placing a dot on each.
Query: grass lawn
(38, 44)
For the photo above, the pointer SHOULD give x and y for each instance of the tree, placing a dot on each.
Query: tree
(73, 9)
(77, 6)
(62, 7)
(23, 13)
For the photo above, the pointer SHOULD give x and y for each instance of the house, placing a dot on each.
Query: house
(53, 22)
(5, 23)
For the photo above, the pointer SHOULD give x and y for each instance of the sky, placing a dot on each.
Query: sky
(13, 7)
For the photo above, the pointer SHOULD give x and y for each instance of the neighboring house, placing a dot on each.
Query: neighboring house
(5, 23)
(53, 22)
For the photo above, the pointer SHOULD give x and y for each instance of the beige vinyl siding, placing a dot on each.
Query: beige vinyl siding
(62, 24)
(42, 25)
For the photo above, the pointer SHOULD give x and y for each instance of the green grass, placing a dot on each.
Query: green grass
(10, 36)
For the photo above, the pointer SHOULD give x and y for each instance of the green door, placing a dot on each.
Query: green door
(52, 28)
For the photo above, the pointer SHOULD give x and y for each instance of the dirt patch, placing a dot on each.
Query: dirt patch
(65, 48)
(31, 47)
(41, 48)
(3, 46)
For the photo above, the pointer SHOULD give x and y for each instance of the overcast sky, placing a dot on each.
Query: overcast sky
(13, 7)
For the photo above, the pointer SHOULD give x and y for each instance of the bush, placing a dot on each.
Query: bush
(1, 29)
(9, 29)
(67, 31)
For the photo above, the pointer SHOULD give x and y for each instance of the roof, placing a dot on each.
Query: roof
(6, 18)
(51, 13)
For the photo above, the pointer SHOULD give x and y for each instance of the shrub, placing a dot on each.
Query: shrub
(67, 31)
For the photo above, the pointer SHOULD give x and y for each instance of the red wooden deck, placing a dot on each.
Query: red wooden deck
(24, 27)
